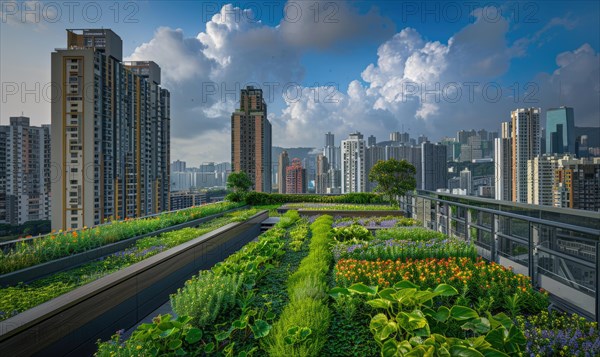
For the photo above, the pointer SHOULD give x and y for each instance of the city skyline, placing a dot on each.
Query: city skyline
(540, 56)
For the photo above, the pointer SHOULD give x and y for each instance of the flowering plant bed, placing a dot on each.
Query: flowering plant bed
(39, 250)
(375, 222)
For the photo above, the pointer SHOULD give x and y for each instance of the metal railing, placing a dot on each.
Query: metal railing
(556, 247)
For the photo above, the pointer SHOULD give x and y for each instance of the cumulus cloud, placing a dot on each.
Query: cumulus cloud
(424, 86)
(206, 72)
(575, 83)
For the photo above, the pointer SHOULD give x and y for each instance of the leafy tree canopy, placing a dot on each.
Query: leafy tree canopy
(394, 178)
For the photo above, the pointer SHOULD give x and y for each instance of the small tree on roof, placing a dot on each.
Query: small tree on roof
(394, 178)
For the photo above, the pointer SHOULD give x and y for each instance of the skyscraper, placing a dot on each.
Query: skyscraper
(503, 164)
(353, 164)
(331, 152)
(434, 167)
(525, 142)
(373, 154)
(110, 133)
(295, 177)
(560, 131)
(371, 141)
(284, 162)
(465, 181)
(322, 178)
(329, 139)
(24, 172)
(519, 143)
(251, 139)
(577, 184)
(540, 178)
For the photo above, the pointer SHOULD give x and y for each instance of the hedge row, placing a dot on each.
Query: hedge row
(260, 198)
(302, 327)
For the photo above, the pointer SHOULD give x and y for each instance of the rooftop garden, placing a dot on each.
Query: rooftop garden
(319, 286)
(61, 244)
(21, 297)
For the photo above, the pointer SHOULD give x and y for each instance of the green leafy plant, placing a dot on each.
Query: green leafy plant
(165, 336)
(355, 233)
(302, 327)
(204, 297)
(410, 323)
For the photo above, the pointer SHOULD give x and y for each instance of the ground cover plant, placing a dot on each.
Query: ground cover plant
(16, 299)
(393, 249)
(61, 244)
(559, 333)
(375, 222)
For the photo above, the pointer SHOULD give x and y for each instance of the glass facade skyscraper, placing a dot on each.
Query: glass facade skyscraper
(560, 131)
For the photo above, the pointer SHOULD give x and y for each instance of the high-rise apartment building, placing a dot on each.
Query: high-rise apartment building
(540, 179)
(525, 142)
(295, 177)
(434, 167)
(560, 131)
(178, 166)
(353, 164)
(503, 164)
(251, 139)
(519, 142)
(25, 172)
(371, 141)
(332, 152)
(577, 184)
(373, 154)
(466, 181)
(110, 133)
(284, 162)
(322, 178)
(329, 139)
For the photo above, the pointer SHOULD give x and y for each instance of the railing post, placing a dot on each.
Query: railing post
(597, 292)
(532, 238)
(494, 245)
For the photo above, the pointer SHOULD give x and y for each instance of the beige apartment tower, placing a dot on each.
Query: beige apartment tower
(251, 139)
(110, 133)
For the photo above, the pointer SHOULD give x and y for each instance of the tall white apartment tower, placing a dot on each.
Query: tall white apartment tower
(520, 141)
(526, 144)
(353, 164)
(503, 163)
(110, 133)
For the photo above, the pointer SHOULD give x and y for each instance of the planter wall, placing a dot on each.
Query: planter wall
(334, 213)
(44, 269)
(71, 324)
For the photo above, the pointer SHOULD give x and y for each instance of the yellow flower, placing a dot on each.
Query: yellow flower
(138, 347)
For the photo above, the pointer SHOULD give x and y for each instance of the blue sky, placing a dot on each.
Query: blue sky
(373, 51)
